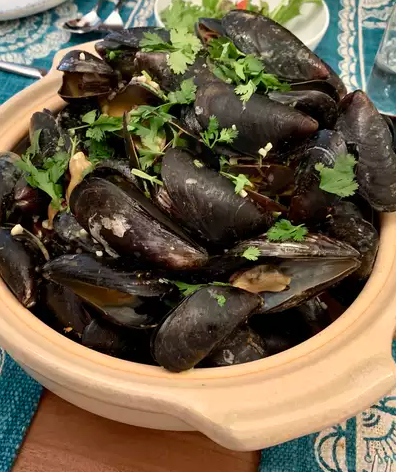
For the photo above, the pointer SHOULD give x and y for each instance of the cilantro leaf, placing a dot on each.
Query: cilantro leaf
(284, 230)
(113, 55)
(340, 179)
(89, 117)
(245, 90)
(34, 147)
(251, 253)
(182, 48)
(186, 93)
(240, 181)
(98, 151)
(289, 9)
(96, 134)
(221, 299)
(188, 289)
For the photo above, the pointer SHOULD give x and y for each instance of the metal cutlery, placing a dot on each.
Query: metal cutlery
(24, 70)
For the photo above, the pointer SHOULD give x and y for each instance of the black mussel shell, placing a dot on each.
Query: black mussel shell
(156, 65)
(315, 314)
(244, 345)
(84, 62)
(360, 234)
(308, 279)
(9, 176)
(71, 232)
(361, 124)
(318, 86)
(117, 295)
(346, 208)
(17, 268)
(309, 202)
(313, 246)
(128, 223)
(70, 316)
(282, 53)
(318, 105)
(199, 324)
(205, 202)
(129, 344)
(260, 121)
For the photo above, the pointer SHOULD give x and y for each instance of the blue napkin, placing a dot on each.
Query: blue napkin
(349, 47)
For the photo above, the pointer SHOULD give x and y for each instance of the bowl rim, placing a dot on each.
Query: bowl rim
(366, 327)
(312, 43)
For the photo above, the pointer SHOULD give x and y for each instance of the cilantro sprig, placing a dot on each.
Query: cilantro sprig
(213, 134)
(244, 71)
(284, 230)
(47, 176)
(188, 289)
(182, 48)
(339, 179)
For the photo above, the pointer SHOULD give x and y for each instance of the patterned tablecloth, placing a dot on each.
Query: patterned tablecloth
(349, 46)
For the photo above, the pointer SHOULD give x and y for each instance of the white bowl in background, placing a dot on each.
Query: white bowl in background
(310, 26)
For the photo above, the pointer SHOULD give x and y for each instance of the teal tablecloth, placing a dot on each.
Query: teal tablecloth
(349, 47)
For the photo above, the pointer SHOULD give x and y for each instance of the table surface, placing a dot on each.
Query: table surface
(64, 438)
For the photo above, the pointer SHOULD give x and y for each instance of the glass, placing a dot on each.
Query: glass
(381, 86)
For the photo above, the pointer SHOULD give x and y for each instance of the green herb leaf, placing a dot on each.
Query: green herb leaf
(186, 93)
(182, 49)
(113, 55)
(96, 134)
(98, 151)
(289, 9)
(240, 181)
(34, 147)
(188, 289)
(212, 135)
(245, 90)
(284, 230)
(251, 253)
(221, 299)
(89, 117)
(340, 179)
(143, 175)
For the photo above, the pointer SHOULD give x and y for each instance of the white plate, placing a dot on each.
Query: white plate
(12, 9)
(310, 26)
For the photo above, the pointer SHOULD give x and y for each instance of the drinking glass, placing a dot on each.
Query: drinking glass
(381, 86)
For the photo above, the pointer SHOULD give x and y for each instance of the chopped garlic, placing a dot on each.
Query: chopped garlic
(265, 150)
(99, 253)
(16, 230)
(82, 56)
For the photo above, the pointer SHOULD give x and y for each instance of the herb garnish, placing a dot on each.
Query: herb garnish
(188, 289)
(244, 71)
(339, 179)
(251, 253)
(221, 299)
(182, 48)
(213, 135)
(284, 230)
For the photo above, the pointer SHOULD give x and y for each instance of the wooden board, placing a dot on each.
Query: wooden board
(64, 438)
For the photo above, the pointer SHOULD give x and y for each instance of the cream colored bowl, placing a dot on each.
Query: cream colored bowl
(318, 383)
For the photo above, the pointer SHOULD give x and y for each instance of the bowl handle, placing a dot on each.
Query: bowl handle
(333, 383)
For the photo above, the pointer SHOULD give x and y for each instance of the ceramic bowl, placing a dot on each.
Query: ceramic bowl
(310, 26)
(332, 376)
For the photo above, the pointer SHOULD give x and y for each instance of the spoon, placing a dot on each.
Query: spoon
(112, 22)
(21, 69)
(90, 19)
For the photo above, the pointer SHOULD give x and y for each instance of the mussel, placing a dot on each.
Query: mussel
(205, 202)
(244, 345)
(260, 121)
(282, 53)
(199, 324)
(9, 176)
(361, 124)
(118, 295)
(127, 223)
(309, 202)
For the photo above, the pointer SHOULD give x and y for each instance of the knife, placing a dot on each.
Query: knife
(21, 69)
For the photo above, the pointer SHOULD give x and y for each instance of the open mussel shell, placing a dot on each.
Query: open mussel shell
(117, 295)
(318, 105)
(9, 176)
(361, 124)
(313, 246)
(309, 202)
(205, 202)
(360, 234)
(85, 75)
(199, 324)
(315, 314)
(261, 278)
(308, 279)
(17, 268)
(260, 121)
(70, 316)
(128, 223)
(129, 344)
(282, 53)
(244, 345)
